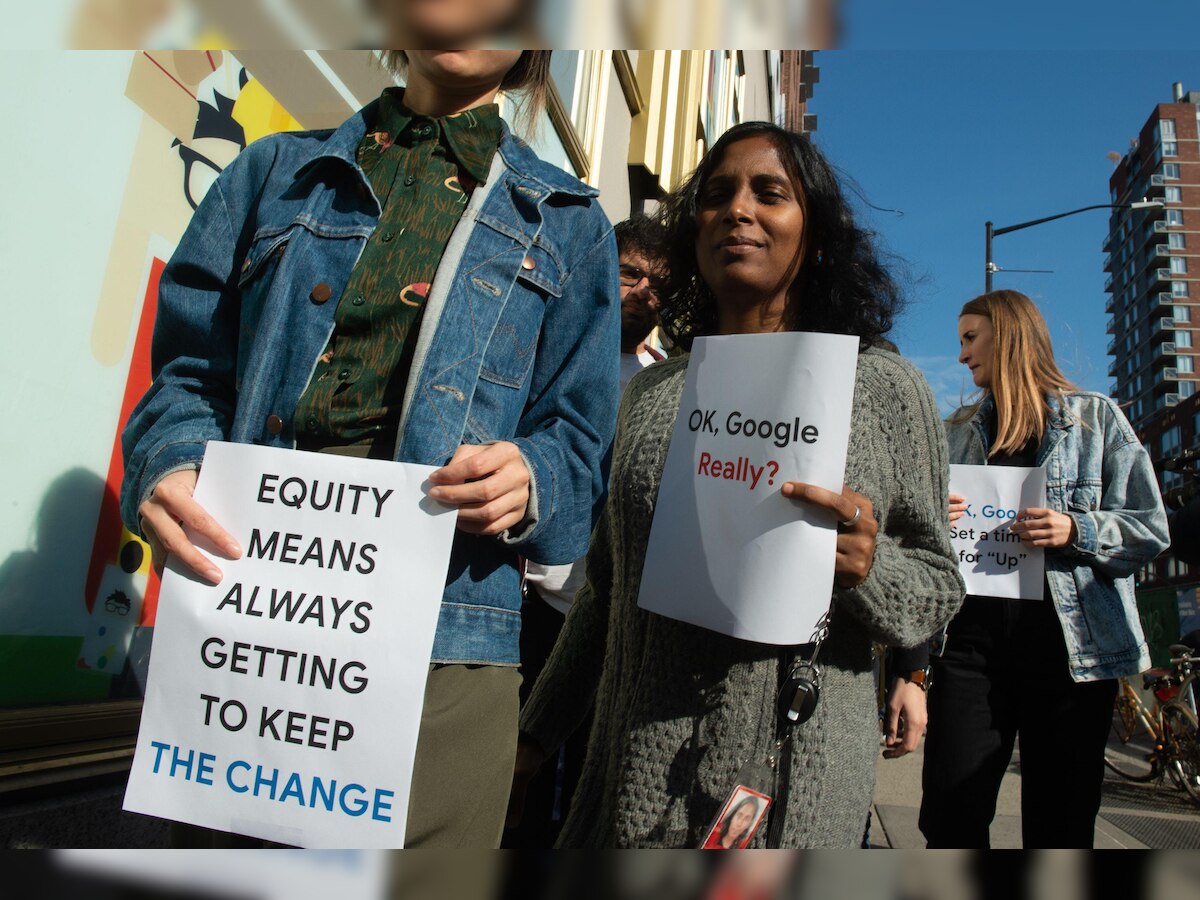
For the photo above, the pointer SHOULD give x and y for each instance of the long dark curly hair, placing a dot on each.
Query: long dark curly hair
(841, 286)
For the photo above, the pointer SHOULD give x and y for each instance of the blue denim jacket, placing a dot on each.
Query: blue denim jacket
(519, 341)
(1099, 474)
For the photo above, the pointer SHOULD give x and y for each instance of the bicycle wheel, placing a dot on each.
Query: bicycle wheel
(1181, 748)
(1126, 722)
(1136, 760)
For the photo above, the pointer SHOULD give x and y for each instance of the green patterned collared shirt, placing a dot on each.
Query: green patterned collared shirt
(422, 171)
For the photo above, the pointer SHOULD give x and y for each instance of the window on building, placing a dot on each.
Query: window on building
(1178, 265)
(1175, 241)
(1183, 364)
(1166, 129)
(1173, 195)
(1171, 480)
(1171, 170)
(1179, 288)
(1174, 217)
(1170, 148)
(1181, 313)
(1171, 441)
(1183, 338)
(1186, 389)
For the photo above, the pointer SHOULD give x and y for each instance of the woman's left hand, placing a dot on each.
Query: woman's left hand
(856, 528)
(489, 483)
(1044, 527)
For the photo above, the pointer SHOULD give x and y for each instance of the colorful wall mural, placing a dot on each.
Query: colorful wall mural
(77, 592)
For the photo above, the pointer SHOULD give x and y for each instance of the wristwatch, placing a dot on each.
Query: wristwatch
(919, 677)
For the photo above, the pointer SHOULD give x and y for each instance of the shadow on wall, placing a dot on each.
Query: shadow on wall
(52, 648)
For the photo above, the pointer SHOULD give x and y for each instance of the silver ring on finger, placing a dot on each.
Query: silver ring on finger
(853, 520)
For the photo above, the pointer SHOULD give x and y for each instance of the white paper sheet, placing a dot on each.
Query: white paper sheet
(727, 550)
(284, 703)
(993, 561)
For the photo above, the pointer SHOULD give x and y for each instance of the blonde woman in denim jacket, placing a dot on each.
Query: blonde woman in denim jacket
(1041, 670)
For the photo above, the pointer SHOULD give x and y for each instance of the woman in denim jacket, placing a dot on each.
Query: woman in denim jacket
(1045, 670)
(415, 285)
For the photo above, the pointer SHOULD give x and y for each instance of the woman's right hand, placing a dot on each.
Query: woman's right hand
(958, 506)
(530, 757)
(170, 507)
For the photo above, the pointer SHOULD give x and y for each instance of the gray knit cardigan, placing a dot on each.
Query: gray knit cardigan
(679, 709)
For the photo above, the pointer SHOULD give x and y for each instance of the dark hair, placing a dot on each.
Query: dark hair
(642, 234)
(727, 822)
(845, 287)
(529, 74)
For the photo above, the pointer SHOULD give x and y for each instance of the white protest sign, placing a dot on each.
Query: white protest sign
(991, 558)
(727, 550)
(284, 703)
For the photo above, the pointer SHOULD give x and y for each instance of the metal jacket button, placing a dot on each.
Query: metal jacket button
(321, 293)
(528, 264)
(274, 424)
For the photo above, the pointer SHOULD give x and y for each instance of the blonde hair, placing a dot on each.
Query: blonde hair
(1024, 374)
(529, 75)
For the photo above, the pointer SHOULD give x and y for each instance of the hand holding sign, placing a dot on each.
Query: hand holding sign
(489, 483)
(164, 514)
(1040, 527)
(856, 528)
(958, 507)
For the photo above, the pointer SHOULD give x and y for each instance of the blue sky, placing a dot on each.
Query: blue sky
(954, 138)
(1028, 24)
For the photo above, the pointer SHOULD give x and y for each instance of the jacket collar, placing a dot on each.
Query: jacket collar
(343, 143)
(1058, 420)
(1058, 417)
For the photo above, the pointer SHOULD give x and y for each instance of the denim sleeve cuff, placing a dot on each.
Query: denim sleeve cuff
(1085, 533)
(172, 458)
(524, 529)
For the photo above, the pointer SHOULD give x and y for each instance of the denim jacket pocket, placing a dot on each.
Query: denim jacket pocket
(514, 341)
(1085, 497)
(257, 273)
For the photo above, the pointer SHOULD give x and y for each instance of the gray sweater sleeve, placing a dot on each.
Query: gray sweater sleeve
(914, 586)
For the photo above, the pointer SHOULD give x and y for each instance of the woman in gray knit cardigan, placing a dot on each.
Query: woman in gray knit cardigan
(764, 241)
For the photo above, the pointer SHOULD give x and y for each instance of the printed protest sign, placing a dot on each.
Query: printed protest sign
(756, 411)
(992, 559)
(284, 703)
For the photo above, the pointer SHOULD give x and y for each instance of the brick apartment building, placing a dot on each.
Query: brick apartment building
(1154, 300)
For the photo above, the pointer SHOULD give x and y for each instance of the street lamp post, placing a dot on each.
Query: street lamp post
(990, 232)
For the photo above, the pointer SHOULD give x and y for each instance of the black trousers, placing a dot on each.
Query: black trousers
(548, 799)
(1004, 677)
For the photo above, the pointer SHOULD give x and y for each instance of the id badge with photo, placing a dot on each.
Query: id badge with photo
(744, 810)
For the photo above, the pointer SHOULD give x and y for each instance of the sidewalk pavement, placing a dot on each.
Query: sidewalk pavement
(898, 804)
